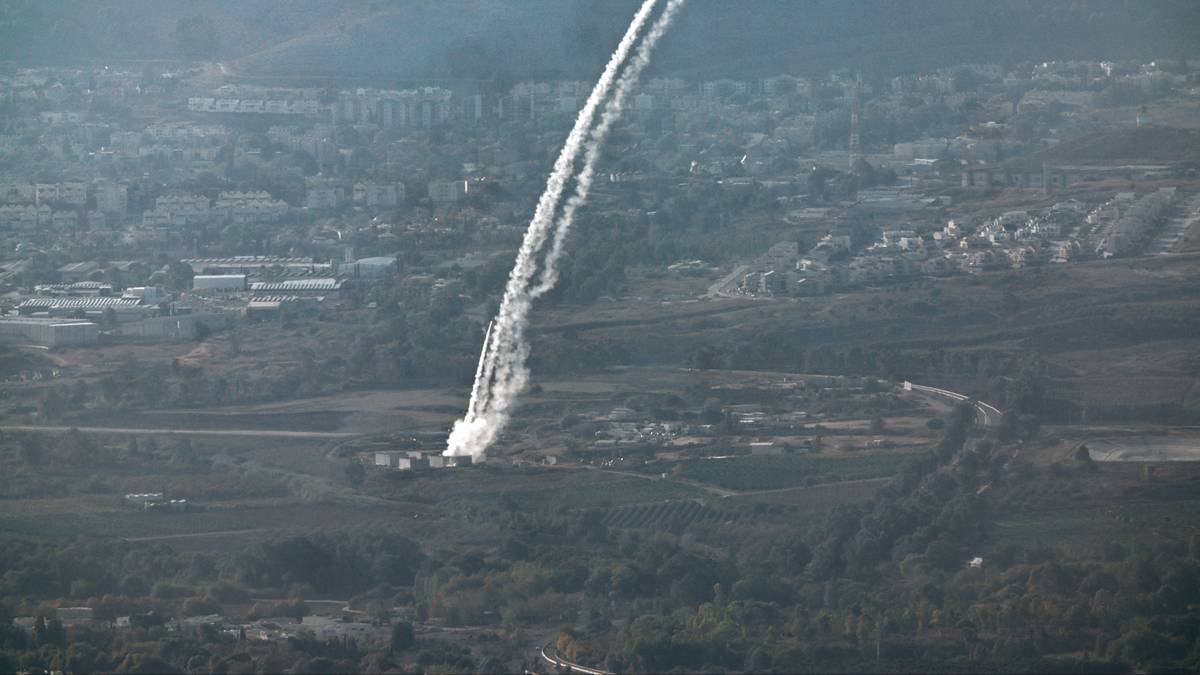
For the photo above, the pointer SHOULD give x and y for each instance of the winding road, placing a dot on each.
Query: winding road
(555, 659)
(989, 414)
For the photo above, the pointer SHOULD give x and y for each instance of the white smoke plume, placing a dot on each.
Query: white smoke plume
(612, 111)
(479, 388)
(502, 373)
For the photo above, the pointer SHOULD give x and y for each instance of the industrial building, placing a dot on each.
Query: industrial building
(415, 460)
(368, 267)
(276, 306)
(219, 283)
(124, 309)
(48, 332)
(319, 286)
(254, 264)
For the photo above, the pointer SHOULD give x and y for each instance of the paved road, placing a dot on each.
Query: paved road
(717, 290)
(988, 414)
(200, 535)
(798, 488)
(262, 433)
(550, 655)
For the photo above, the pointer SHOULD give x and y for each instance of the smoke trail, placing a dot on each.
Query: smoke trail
(612, 111)
(505, 355)
(511, 375)
(535, 235)
(479, 388)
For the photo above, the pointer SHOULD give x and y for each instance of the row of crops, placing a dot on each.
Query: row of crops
(1036, 496)
(670, 515)
(750, 473)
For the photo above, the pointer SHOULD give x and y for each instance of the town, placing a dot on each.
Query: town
(269, 201)
(579, 336)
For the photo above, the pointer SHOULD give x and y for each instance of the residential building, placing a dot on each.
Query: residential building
(323, 198)
(364, 268)
(447, 191)
(378, 194)
(249, 207)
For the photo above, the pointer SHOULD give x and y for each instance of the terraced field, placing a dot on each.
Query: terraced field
(750, 473)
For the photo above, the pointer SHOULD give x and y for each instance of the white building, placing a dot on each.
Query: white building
(251, 206)
(112, 198)
(447, 191)
(378, 194)
(219, 282)
(177, 210)
(322, 198)
(48, 332)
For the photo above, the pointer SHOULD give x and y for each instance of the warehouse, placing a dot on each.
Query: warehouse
(123, 308)
(320, 286)
(365, 268)
(277, 306)
(48, 332)
(219, 283)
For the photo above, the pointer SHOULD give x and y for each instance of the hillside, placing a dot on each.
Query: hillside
(1126, 146)
(469, 39)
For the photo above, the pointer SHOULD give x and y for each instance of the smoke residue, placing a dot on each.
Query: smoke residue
(612, 111)
(502, 373)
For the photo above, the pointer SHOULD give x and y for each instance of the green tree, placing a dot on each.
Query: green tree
(403, 637)
(31, 451)
(355, 473)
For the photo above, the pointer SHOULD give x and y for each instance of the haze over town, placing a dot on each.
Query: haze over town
(599, 336)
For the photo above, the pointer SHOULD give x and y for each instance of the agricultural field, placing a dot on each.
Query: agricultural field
(526, 488)
(1124, 522)
(1156, 448)
(783, 505)
(104, 517)
(751, 473)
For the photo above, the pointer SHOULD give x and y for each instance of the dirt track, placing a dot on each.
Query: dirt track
(266, 433)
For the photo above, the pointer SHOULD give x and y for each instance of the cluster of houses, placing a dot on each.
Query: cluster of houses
(1067, 231)
(274, 287)
(623, 426)
(423, 107)
(28, 206)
